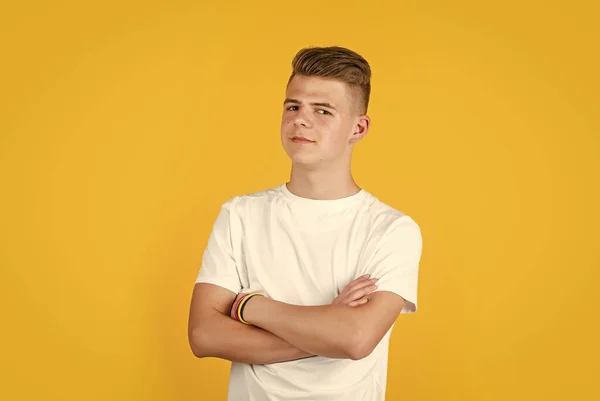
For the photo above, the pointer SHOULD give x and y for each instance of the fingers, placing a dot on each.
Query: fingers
(361, 288)
(361, 292)
(361, 301)
(359, 280)
(359, 283)
(354, 293)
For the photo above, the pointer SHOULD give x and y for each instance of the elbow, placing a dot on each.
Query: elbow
(198, 342)
(359, 346)
(358, 353)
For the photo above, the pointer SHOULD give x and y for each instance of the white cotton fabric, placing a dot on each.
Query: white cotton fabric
(304, 252)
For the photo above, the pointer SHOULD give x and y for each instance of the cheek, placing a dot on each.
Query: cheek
(332, 131)
(327, 128)
(285, 124)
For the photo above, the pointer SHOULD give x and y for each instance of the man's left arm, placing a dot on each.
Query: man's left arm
(341, 331)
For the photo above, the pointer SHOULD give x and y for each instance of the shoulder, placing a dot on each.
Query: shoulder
(253, 200)
(389, 220)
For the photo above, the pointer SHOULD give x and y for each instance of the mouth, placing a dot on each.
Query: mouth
(301, 139)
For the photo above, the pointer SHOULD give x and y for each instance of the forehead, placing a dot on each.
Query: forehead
(317, 89)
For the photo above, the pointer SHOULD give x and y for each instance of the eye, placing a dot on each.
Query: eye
(321, 111)
(292, 108)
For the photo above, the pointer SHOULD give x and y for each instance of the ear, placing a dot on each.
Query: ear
(361, 128)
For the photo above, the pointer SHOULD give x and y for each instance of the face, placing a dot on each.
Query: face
(320, 124)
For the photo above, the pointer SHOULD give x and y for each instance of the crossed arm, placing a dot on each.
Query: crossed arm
(334, 331)
(282, 332)
(213, 333)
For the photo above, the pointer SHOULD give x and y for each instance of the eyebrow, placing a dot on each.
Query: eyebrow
(322, 104)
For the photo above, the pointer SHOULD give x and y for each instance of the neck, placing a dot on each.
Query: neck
(324, 183)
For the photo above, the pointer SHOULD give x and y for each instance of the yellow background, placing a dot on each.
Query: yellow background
(125, 125)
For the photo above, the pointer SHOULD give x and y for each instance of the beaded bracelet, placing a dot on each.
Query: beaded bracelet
(239, 308)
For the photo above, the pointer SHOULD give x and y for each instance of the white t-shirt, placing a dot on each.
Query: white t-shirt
(304, 252)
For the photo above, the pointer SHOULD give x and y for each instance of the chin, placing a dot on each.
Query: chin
(303, 158)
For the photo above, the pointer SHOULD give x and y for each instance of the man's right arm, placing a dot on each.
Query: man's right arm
(213, 333)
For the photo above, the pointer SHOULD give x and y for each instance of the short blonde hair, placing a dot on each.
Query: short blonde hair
(336, 63)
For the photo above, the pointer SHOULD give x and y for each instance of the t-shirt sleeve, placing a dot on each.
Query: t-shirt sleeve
(396, 261)
(218, 262)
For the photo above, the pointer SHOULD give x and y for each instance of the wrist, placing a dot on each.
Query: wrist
(239, 308)
(250, 309)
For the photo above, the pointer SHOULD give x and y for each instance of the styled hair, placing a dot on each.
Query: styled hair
(336, 63)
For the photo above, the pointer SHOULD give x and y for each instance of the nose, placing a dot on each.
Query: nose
(300, 119)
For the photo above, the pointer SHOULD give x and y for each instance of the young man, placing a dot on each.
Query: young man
(333, 266)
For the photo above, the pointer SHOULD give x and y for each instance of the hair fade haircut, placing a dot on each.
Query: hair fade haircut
(337, 63)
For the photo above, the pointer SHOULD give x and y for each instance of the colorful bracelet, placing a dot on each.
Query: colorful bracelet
(234, 309)
(240, 306)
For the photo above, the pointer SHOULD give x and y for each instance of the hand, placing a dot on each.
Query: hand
(355, 293)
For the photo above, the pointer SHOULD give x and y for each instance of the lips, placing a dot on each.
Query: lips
(301, 139)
